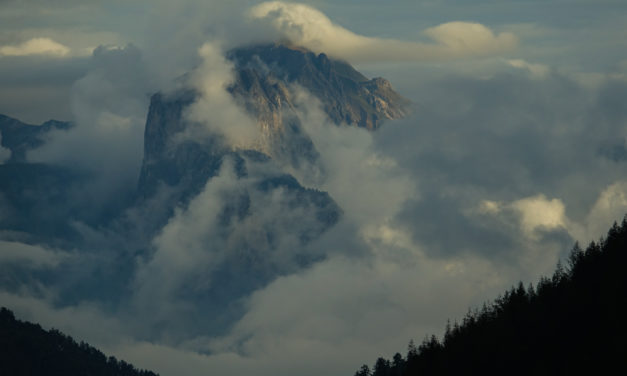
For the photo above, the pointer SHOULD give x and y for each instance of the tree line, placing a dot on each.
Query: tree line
(28, 350)
(571, 323)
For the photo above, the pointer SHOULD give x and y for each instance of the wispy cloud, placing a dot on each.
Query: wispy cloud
(36, 46)
(14, 252)
(306, 26)
(5, 154)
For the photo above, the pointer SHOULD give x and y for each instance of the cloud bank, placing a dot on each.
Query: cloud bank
(308, 27)
(490, 182)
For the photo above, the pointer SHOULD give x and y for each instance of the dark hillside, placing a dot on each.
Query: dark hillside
(572, 323)
(27, 349)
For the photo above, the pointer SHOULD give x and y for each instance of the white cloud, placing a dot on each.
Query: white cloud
(470, 38)
(185, 247)
(109, 106)
(215, 109)
(610, 206)
(346, 311)
(350, 160)
(535, 70)
(534, 213)
(538, 212)
(36, 46)
(306, 26)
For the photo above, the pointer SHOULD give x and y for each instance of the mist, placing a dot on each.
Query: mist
(270, 267)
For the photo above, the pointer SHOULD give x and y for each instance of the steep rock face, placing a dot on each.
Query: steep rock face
(166, 162)
(347, 96)
(267, 218)
(265, 78)
(174, 171)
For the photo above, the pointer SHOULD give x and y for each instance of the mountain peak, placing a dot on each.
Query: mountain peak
(347, 96)
(266, 78)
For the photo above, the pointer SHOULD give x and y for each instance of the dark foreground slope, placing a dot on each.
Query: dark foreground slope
(27, 349)
(573, 323)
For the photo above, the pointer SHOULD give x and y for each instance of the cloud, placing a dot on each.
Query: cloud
(216, 109)
(536, 70)
(188, 250)
(35, 89)
(77, 320)
(5, 154)
(36, 46)
(349, 158)
(109, 105)
(343, 311)
(30, 254)
(238, 234)
(538, 212)
(412, 249)
(610, 207)
(308, 27)
(470, 38)
(535, 213)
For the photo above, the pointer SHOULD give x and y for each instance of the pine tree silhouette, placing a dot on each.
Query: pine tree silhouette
(571, 323)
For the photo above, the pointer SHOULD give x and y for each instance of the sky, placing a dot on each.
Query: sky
(515, 149)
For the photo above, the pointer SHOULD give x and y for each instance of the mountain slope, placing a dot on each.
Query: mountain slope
(20, 137)
(27, 349)
(570, 324)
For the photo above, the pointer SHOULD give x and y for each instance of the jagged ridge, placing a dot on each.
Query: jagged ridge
(347, 96)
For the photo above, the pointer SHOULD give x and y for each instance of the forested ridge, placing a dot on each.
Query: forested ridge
(571, 323)
(27, 349)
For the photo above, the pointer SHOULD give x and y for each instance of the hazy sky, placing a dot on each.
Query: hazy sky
(45, 46)
(516, 149)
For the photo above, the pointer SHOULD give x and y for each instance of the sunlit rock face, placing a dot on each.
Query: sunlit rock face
(267, 81)
(264, 74)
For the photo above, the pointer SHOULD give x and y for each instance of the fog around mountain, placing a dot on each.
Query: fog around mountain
(254, 259)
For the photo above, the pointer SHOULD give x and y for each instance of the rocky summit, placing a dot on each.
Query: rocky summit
(264, 74)
(266, 81)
